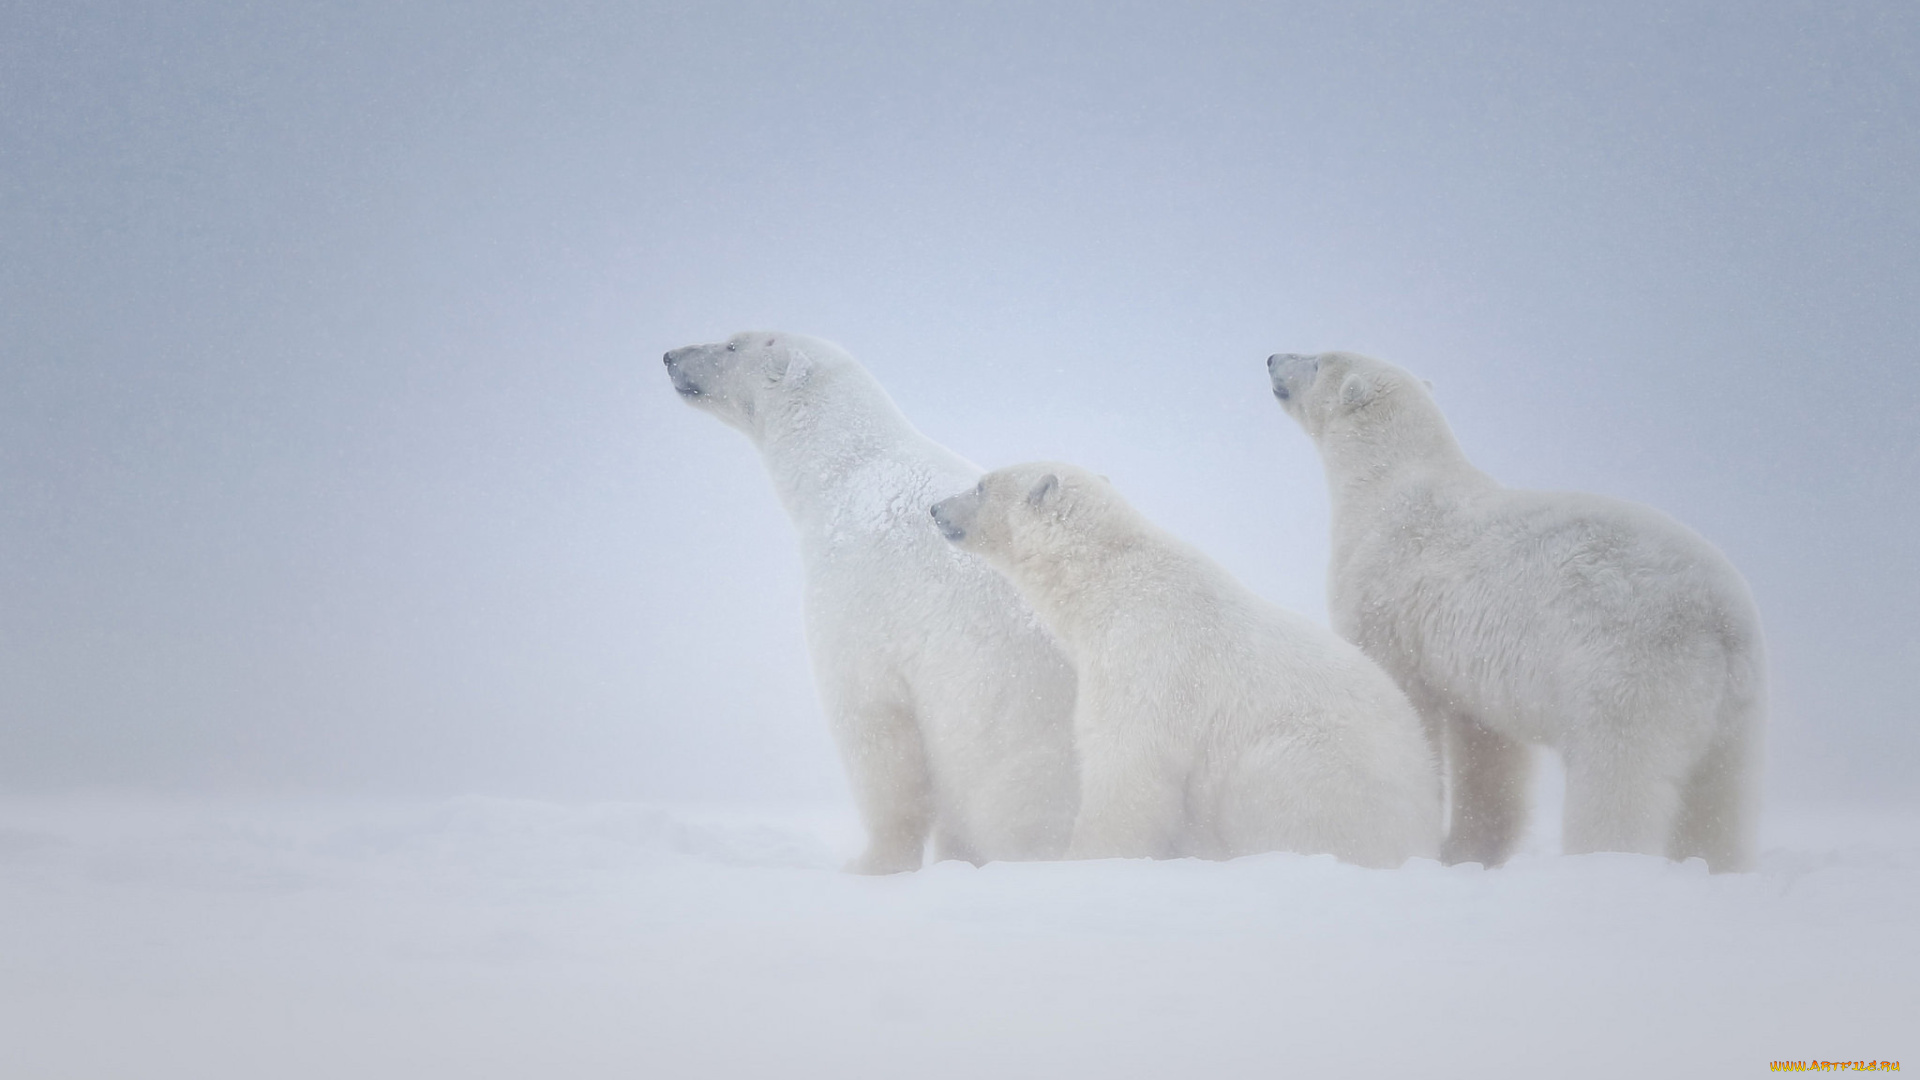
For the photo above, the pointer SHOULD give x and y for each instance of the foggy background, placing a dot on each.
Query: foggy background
(336, 453)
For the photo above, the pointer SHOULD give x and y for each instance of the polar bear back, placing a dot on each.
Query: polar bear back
(1530, 604)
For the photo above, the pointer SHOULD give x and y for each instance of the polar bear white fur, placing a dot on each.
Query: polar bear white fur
(1600, 628)
(950, 705)
(1209, 722)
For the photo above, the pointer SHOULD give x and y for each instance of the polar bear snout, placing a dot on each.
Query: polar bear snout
(683, 381)
(1290, 372)
(957, 515)
(951, 516)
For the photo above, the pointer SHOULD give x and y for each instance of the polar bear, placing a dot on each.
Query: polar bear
(950, 705)
(1600, 628)
(1209, 722)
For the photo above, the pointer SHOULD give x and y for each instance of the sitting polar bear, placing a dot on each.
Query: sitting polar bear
(1209, 722)
(1597, 627)
(950, 705)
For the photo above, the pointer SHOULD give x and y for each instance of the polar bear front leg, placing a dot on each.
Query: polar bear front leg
(1487, 776)
(887, 765)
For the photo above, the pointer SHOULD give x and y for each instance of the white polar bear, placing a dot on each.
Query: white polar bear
(950, 705)
(1209, 722)
(1603, 629)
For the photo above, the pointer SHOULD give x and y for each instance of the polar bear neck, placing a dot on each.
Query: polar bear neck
(1367, 462)
(1108, 578)
(845, 460)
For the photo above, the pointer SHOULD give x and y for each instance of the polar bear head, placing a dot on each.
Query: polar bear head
(1356, 403)
(1335, 392)
(1027, 515)
(755, 381)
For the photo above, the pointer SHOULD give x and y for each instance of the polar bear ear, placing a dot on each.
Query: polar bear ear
(1357, 389)
(1044, 493)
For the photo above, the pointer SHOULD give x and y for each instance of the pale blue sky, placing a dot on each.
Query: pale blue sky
(335, 450)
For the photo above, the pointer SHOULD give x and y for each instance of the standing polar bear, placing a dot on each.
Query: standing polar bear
(950, 705)
(1209, 722)
(1600, 628)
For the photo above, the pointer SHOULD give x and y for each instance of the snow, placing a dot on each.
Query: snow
(480, 938)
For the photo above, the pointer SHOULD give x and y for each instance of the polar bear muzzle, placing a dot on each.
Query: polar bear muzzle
(1291, 373)
(953, 515)
(682, 381)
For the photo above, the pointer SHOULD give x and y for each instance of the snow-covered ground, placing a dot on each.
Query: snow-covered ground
(477, 938)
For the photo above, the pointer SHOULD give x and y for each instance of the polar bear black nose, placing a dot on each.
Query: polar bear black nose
(1273, 372)
(946, 526)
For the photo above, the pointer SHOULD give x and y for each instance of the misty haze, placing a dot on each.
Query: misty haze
(398, 678)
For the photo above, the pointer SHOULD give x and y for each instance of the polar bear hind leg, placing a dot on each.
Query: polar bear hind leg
(1487, 776)
(1128, 807)
(1623, 794)
(1717, 807)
